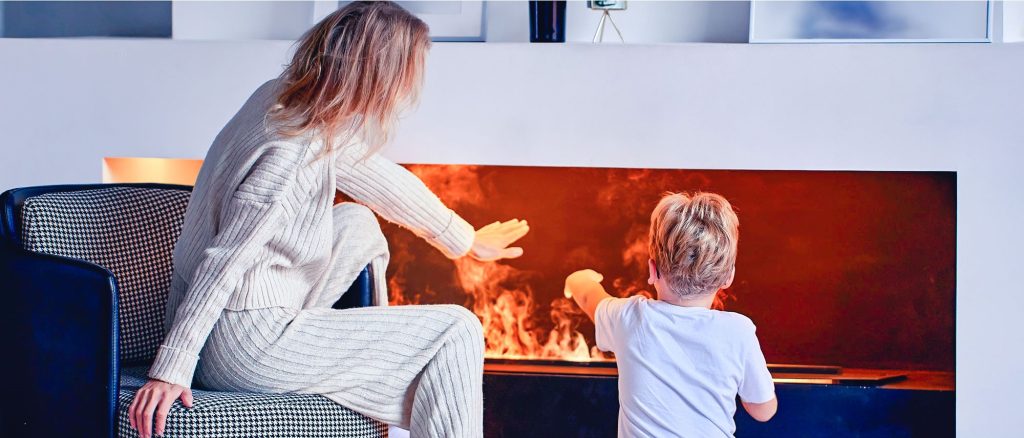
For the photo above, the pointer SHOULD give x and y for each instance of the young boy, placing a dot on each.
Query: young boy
(681, 364)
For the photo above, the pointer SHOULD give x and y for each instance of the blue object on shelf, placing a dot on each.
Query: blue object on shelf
(547, 21)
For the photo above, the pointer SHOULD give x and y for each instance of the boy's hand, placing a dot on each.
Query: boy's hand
(574, 280)
(585, 288)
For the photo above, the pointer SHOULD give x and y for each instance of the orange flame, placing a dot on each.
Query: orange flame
(498, 293)
(507, 314)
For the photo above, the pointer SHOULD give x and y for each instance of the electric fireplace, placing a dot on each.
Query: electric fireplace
(855, 269)
(849, 277)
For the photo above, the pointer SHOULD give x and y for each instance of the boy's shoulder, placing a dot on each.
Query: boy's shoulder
(739, 319)
(731, 321)
(637, 305)
(731, 328)
(737, 323)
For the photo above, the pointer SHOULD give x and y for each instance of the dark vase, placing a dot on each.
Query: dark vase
(547, 21)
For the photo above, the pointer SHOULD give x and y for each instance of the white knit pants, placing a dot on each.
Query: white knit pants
(418, 367)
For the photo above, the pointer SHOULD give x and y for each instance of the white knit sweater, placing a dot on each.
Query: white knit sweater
(258, 229)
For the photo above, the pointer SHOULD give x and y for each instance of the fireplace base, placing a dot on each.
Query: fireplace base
(549, 404)
(582, 401)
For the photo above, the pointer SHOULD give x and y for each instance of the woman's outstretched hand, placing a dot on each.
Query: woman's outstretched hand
(154, 399)
(492, 241)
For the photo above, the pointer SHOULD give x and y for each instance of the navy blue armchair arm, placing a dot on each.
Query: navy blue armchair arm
(60, 318)
(61, 357)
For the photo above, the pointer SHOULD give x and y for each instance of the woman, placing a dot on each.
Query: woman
(263, 253)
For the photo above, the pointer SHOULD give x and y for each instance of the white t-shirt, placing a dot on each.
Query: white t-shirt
(680, 368)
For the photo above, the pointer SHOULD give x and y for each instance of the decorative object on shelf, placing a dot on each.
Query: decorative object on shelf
(547, 21)
(869, 21)
(606, 6)
(448, 20)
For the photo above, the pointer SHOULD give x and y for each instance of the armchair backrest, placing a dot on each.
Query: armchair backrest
(128, 229)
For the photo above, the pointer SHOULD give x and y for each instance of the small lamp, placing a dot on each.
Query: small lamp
(606, 6)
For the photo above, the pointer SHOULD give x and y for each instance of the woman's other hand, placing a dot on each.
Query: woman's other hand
(492, 241)
(153, 401)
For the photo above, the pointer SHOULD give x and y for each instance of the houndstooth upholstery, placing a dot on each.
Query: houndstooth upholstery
(217, 414)
(128, 230)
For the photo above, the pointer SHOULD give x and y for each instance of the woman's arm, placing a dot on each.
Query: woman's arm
(254, 213)
(249, 220)
(249, 225)
(399, 196)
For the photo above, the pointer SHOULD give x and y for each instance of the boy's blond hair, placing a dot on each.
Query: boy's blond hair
(693, 242)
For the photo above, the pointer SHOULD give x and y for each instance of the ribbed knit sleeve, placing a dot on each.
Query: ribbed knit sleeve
(253, 214)
(399, 196)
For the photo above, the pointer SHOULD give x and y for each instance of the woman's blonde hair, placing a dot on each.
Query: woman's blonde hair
(352, 73)
(693, 242)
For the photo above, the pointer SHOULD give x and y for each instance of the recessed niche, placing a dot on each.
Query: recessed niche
(855, 269)
(155, 170)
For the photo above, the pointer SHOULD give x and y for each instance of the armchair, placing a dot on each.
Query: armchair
(86, 270)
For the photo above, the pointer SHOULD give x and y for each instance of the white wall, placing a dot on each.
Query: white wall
(68, 103)
(1013, 21)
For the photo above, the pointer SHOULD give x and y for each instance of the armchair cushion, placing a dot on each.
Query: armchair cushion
(236, 414)
(131, 232)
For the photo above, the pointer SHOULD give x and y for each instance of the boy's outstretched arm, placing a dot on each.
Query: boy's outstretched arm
(585, 288)
(762, 411)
